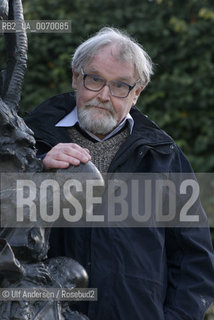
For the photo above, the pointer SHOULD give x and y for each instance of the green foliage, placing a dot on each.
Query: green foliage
(178, 35)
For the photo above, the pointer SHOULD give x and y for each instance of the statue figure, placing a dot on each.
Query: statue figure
(17, 152)
(23, 251)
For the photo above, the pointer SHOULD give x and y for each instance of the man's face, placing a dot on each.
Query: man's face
(102, 111)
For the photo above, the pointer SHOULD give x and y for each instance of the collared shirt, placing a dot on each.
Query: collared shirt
(72, 118)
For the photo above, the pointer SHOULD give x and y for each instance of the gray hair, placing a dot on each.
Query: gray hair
(129, 51)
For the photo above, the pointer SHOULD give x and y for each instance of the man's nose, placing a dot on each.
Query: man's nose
(104, 94)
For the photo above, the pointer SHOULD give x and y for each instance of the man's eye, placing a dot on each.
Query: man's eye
(96, 79)
(118, 85)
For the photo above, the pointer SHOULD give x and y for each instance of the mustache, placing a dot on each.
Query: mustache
(106, 106)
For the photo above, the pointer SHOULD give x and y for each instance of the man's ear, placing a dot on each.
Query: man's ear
(137, 94)
(74, 79)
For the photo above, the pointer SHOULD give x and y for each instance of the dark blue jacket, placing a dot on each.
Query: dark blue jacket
(141, 273)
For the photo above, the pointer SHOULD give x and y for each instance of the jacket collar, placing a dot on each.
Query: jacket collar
(147, 130)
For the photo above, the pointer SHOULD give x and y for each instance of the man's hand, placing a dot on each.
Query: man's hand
(65, 154)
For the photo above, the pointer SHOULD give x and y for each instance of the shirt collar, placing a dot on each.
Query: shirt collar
(72, 118)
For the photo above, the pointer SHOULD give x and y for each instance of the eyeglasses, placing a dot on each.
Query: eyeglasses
(95, 83)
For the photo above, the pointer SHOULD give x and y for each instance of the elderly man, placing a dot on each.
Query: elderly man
(141, 273)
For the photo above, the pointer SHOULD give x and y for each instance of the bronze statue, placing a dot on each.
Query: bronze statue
(23, 251)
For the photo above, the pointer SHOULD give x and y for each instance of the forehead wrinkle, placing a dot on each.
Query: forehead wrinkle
(98, 73)
(97, 66)
(94, 70)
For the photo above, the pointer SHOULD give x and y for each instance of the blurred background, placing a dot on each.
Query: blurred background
(177, 34)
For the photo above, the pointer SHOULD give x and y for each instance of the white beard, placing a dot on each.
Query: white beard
(97, 120)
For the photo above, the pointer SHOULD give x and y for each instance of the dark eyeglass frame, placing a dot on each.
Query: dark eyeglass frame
(84, 75)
